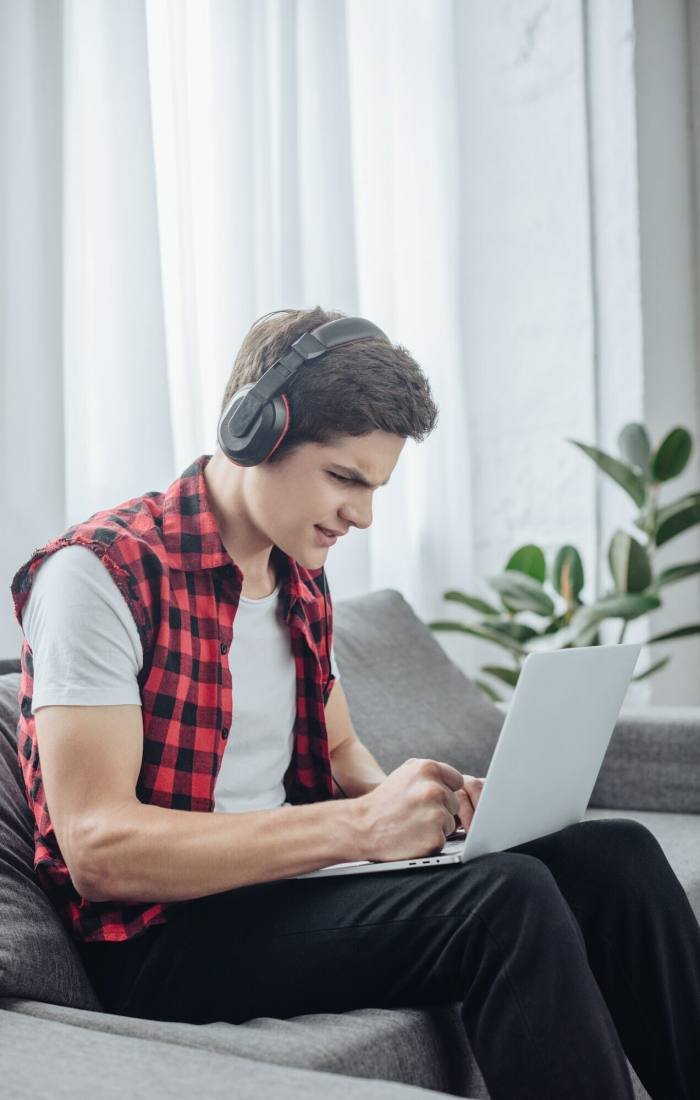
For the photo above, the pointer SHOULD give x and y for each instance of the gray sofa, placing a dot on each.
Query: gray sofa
(407, 699)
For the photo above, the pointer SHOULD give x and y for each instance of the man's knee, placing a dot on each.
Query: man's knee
(619, 852)
(519, 910)
(621, 836)
(514, 879)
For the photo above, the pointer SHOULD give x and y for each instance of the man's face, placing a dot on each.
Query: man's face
(315, 487)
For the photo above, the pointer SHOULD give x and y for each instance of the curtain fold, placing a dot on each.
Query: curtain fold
(118, 440)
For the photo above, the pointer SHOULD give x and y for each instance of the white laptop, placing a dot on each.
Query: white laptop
(547, 756)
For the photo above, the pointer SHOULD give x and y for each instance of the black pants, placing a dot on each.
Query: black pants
(566, 953)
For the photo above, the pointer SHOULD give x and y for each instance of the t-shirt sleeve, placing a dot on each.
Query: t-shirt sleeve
(84, 641)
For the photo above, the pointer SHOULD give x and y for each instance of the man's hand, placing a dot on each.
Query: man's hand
(414, 809)
(472, 788)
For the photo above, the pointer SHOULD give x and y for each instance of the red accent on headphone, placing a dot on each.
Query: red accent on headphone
(284, 430)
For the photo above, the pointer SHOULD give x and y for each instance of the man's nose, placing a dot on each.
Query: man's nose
(359, 515)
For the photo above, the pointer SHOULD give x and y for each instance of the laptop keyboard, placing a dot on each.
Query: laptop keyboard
(452, 846)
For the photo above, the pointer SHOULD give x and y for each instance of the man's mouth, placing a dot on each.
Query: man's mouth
(325, 536)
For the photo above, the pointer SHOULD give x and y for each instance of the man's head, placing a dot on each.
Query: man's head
(354, 408)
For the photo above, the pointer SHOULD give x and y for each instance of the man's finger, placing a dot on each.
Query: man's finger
(466, 808)
(450, 776)
(472, 788)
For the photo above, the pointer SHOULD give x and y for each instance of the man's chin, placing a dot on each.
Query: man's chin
(315, 559)
(308, 557)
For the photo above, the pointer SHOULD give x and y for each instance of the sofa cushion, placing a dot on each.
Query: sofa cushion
(425, 1047)
(38, 959)
(76, 1061)
(406, 697)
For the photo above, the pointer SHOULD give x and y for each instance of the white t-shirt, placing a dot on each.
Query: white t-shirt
(87, 652)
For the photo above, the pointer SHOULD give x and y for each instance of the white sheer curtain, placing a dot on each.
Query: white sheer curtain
(463, 173)
(307, 152)
(220, 160)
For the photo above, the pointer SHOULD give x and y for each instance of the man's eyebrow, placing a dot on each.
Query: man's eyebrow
(358, 476)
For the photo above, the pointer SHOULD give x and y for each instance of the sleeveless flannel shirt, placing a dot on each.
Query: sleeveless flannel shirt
(166, 556)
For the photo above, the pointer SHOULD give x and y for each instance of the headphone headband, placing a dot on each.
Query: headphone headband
(256, 419)
(308, 346)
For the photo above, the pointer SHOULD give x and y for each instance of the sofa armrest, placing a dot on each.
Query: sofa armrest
(652, 761)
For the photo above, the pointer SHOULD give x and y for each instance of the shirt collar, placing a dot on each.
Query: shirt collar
(193, 542)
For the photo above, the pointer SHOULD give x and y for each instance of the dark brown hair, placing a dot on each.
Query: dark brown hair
(352, 390)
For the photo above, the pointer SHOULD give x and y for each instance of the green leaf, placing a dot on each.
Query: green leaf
(680, 632)
(522, 593)
(571, 635)
(672, 455)
(652, 668)
(677, 517)
(508, 675)
(583, 627)
(567, 573)
(519, 632)
(629, 563)
(624, 475)
(477, 631)
(557, 623)
(635, 446)
(528, 559)
(471, 601)
(627, 607)
(677, 573)
(450, 624)
(489, 690)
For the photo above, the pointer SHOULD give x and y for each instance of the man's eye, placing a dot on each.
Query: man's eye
(339, 477)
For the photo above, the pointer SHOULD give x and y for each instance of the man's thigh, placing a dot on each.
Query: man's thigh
(328, 944)
(381, 939)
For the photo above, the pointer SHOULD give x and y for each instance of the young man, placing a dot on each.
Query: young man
(178, 660)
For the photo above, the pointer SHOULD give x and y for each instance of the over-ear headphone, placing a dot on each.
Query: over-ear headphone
(257, 418)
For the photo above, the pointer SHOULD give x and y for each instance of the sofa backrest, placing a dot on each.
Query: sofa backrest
(406, 697)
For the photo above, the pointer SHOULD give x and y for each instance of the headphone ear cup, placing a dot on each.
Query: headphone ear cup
(264, 435)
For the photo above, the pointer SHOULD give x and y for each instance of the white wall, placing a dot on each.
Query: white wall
(579, 286)
(551, 296)
(667, 132)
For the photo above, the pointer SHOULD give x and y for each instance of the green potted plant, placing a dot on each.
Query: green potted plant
(550, 597)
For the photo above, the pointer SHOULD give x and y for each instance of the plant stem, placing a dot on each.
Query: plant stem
(651, 543)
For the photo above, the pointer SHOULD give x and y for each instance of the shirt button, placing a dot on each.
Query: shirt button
(224, 733)
(224, 647)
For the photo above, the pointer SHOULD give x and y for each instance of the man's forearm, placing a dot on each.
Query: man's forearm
(140, 852)
(355, 768)
(149, 853)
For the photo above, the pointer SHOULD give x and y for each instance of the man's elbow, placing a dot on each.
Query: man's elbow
(87, 868)
(87, 880)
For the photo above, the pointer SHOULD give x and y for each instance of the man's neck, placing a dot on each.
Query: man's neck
(257, 587)
(259, 572)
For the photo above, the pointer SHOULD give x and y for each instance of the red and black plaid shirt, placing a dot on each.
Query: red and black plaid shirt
(166, 556)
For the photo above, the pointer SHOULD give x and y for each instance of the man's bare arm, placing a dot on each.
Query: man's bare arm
(119, 849)
(356, 770)
(352, 764)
